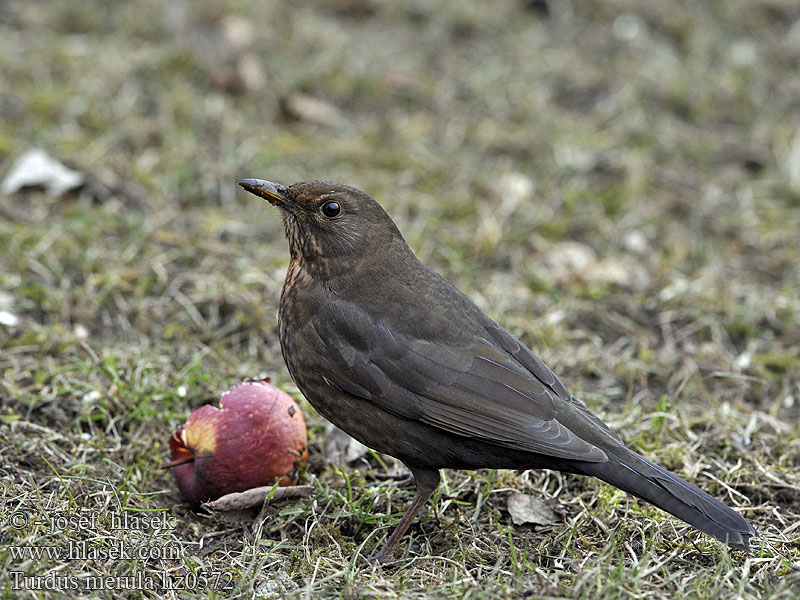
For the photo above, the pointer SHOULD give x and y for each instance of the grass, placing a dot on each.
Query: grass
(658, 143)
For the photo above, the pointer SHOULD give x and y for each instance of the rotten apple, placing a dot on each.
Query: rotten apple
(257, 436)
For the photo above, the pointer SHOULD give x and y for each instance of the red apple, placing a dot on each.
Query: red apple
(257, 436)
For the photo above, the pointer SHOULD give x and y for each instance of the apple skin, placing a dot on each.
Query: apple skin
(257, 436)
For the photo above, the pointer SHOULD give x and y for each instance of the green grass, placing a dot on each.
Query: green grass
(658, 141)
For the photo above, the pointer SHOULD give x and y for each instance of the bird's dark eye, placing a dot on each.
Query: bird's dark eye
(331, 209)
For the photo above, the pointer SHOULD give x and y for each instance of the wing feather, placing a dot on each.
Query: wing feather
(491, 388)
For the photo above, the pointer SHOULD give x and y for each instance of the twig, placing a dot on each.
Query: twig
(257, 496)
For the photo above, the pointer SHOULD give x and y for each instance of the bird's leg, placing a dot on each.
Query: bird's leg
(427, 480)
(387, 552)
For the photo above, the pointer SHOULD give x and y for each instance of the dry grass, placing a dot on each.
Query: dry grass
(656, 146)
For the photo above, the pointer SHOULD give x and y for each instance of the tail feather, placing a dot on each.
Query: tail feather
(634, 474)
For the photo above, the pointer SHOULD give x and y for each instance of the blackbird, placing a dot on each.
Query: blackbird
(395, 355)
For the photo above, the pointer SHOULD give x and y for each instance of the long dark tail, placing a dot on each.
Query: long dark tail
(630, 472)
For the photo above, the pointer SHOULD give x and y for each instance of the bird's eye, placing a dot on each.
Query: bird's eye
(331, 209)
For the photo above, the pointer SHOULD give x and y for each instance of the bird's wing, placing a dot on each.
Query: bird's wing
(491, 388)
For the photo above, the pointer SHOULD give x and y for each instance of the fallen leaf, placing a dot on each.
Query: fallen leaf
(248, 68)
(341, 449)
(572, 261)
(36, 168)
(237, 33)
(256, 496)
(8, 319)
(312, 110)
(532, 509)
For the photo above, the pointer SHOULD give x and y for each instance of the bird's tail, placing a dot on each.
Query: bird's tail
(632, 473)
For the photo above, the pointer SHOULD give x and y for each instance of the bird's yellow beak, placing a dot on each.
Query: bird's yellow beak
(275, 193)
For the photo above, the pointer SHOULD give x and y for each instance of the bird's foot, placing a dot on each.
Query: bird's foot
(381, 558)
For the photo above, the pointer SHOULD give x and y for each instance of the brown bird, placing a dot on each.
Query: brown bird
(392, 353)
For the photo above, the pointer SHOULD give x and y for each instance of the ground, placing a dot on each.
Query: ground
(616, 182)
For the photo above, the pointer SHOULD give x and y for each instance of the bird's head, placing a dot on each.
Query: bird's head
(331, 227)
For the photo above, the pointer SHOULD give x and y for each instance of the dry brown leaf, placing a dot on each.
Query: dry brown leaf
(256, 496)
(532, 509)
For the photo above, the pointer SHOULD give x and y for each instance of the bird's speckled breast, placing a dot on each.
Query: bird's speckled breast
(293, 312)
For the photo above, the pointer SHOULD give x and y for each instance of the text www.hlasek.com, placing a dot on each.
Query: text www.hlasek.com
(83, 550)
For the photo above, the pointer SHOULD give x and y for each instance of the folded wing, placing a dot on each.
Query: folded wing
(491, 387)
